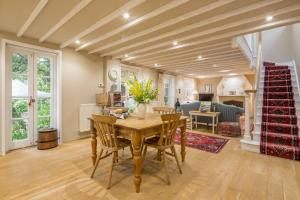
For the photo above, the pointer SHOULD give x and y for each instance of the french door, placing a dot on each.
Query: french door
(31, 94)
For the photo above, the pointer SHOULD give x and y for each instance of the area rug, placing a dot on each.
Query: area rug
(203, 142)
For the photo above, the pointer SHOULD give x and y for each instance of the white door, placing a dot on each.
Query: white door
(31, 102)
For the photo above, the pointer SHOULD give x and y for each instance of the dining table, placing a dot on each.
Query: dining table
(136, 129)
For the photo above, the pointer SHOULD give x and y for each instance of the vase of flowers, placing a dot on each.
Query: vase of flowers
(142, 93)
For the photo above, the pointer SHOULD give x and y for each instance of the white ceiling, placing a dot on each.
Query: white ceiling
(203, 28)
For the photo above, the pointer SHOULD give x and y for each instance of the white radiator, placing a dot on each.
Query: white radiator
(85, 112)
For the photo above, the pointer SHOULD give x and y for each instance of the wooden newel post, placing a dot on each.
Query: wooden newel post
(247, 134)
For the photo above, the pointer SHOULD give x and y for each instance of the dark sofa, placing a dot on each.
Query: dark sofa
(228, 113)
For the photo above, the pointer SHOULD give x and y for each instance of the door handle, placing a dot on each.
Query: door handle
(31, 101)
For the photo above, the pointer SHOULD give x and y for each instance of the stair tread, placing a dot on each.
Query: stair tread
(280, 124)
(280, 134)
(297, 148)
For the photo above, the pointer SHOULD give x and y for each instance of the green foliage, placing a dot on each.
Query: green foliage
(141, 91)
(19, 130)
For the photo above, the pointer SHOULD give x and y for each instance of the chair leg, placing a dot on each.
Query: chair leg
(144, 153)
(166, 167)
(159, 155)
(176, 158)
(131, 150)
(117, 157)
(111, 169)
(97, 163)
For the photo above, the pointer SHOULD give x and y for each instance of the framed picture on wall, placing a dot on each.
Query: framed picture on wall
(208, 88)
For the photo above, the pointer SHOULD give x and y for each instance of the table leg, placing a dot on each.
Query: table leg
(191, 118)
(136, 141)
(183, 141)
(217, 118)
(93, 142)
(213, 125)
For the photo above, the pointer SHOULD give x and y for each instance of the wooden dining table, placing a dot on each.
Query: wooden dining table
(136, 130)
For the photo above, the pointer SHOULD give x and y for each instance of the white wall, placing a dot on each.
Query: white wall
(277, 44)
(282, 44)
(296, 45)
(81, 74)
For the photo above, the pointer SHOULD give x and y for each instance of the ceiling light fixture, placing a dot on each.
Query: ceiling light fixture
(126, 55)
(269, 18)
(191, 74)
(175, 43)
(199, 57)
(232, 74)
(224, 71)
(155, 65)
(126, 15)
(77, 41)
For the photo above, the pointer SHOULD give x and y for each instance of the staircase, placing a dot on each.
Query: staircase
(277, 105)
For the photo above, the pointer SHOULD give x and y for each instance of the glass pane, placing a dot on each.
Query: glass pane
(19, 63)
(19, 85)
(44, 107)
(20, 108)
(20, 129)
(44, 67)
(44, 122)
(44, 86)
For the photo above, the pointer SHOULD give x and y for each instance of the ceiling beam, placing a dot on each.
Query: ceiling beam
(229, 68)
(147, 16)
(184, 49)
(178, 19)
(221, 65)
(213, 58)
(115, 14)
(200, 24)
(197, 52)
(210, 63)
(223, 35)
(194, 56)
(36, 11)
(82, 4)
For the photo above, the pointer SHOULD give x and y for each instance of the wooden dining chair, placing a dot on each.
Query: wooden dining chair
(165, 141)
(164, 110)
(109, 142)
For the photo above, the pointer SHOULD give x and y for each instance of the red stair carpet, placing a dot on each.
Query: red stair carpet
(279, 129)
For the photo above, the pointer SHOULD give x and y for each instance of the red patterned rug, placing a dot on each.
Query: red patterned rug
(279, 128)
(203, 142)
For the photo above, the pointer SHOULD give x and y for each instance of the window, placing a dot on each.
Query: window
(127, 74)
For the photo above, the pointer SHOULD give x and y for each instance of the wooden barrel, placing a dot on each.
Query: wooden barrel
(47, 138)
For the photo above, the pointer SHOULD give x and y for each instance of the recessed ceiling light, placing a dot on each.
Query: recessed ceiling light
(77, 41)
(232, 74)
(155, 65)
(269, 18)
(126, 15)
(199, 57)
(191, 74)
(175, 43)
(126, 55)
(226, 70)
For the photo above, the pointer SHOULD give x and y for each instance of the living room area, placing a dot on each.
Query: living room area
(140, 99)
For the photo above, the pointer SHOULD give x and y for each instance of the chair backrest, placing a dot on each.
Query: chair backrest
(164, 110)
(105, 130)
(169, 128)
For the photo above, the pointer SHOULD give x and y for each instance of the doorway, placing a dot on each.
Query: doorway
(31, 94)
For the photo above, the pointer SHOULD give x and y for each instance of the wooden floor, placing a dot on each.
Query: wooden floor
(63, 173)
